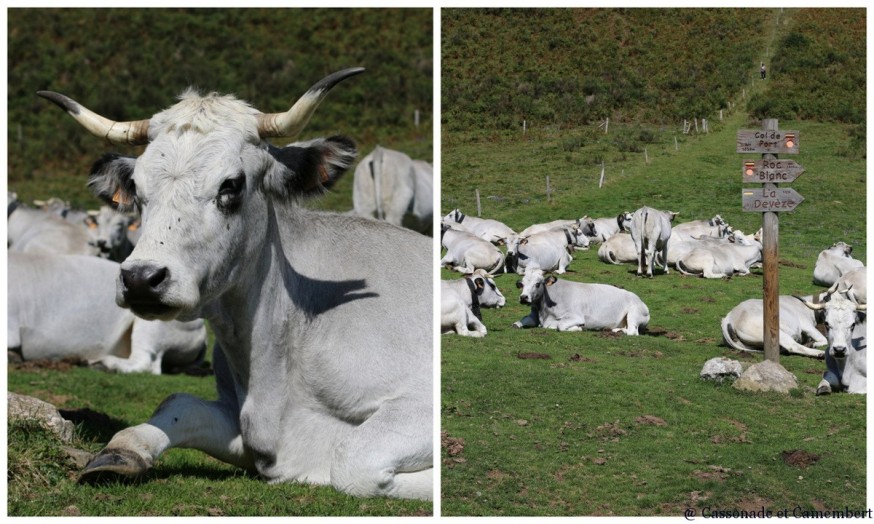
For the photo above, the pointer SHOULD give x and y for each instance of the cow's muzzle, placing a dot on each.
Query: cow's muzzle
(142, 287)
(839, 351)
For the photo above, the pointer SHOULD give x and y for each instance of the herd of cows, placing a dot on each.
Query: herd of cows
(647, 237)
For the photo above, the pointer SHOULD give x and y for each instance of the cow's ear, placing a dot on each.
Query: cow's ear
(519, 284)
(112, 181)
(309, 168)
(479, 283)
(523, 241)
(550, 280)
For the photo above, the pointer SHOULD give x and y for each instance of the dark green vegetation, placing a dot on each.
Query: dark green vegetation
(142, 60)
(574, 67)
(619, 425)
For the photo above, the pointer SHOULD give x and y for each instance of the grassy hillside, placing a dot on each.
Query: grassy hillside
(613, 425)
(145, 57)
(573, 67)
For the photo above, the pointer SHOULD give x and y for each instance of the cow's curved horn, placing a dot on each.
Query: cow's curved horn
(292, 122)
(135, 132)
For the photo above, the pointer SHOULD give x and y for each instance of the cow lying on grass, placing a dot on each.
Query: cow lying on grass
(573, 306)
(323, 322)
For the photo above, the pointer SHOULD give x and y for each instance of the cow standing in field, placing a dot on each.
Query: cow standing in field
(833, 262)
(461, 300)
(323, 322)
(847, 353)
(63, 306)
(391, 186)
(574, 306)
(488, 229)
(743, 327)
(650, 231)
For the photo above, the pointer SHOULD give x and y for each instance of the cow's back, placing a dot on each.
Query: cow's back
(365, 289)
(63, 306)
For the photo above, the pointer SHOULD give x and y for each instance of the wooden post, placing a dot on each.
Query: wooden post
(479, 206)
(606, 124)
(416, 118)
(548, 190)
(770, 258)
(601, 182)
(676, 145)
(524, 127)
(645, 157)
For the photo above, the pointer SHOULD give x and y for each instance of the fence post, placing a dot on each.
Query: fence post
(416, 118)
(601, 182)
(479, 206)
(524, 127)
(548, 190)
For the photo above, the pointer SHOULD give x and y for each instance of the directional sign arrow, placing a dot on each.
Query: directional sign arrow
(771, 171)
(762, 141)
(771, 199)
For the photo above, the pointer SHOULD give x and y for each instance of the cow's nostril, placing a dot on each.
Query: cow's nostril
(157, 277)
(141, 282)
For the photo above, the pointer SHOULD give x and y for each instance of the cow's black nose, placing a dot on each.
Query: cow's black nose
(142, 283)
(839, 351)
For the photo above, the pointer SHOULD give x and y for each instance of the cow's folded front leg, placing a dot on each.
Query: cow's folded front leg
(181, 421)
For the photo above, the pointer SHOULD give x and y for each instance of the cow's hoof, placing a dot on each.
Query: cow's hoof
(113, 465)
(823, 391)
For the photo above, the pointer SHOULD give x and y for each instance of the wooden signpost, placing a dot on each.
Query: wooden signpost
(769, 200)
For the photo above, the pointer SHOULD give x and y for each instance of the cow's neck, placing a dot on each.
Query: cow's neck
(253, 325)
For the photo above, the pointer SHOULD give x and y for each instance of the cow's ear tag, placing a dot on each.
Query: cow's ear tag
(118, 198)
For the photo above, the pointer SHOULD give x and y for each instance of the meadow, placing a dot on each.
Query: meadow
(601, 424)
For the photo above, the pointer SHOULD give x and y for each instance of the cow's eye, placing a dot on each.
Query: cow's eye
(230, 194)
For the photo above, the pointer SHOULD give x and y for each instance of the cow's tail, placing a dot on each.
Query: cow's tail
(499, 265)
(731, 338)
(376, 175)
(684, 270)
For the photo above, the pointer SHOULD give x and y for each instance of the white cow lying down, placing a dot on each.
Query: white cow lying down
(573, 306)
(833, 262)
(461, 300)
(323, 322)
(64, 305)
(743, 327)
(846, 359)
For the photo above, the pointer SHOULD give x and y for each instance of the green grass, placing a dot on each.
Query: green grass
(42, 481)
(581, 449)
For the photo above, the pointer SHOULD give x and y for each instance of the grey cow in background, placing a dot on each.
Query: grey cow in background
(391, 186)
(64, 306)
